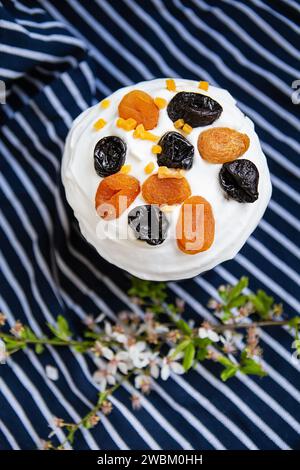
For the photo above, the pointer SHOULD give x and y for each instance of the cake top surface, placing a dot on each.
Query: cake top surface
(174, 153)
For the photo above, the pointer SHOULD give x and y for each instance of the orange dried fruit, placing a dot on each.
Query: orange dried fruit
(140, 106)
(195, 230)
(222, 144)
(166, 190)
(114, 195)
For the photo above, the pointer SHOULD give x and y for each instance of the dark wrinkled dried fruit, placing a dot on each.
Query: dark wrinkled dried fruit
(176, 152)
(194, 108)
(109, 155)
(149, 224)
(239, 179)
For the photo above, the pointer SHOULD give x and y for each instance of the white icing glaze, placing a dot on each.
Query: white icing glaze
(234, 221)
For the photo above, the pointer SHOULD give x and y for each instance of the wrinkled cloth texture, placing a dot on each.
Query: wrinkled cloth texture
(56, 59)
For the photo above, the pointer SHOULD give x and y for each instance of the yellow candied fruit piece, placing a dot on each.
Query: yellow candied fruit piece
(149, 168)
(160, 102)
(171, 86)
(120, 123)
(139, 131)
(165, 172)
(156, 149)
(105, 103)
(187, 128)
(203, 85)
(99, 124)
(129, 124)
(125, 169)
(149, 136)
(126, 124)
(179, 123)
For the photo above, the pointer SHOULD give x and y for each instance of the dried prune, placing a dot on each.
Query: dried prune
(222, 144)
(166, 190)
(140, 106)
(149, 224)
(239, 179)
(194, 108)
(176, 151)
(109, 155)
(114, 195)
(195, 229)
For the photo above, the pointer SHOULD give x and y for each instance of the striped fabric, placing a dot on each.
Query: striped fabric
(56, 59)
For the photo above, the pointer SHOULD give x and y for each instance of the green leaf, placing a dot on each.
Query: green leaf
(229, 372)
(62, 330)
(39, 348)
(236, 290)
(225, 361)
(12, 344)
(238, 301)
(63, 327)
(181, 347)
(183, 326)
(81, 348)
(201, 354)
(202, 342)
(27, 333)
(262, 302)
(156, 291)
(294, 323)
(189, 355)
(251, 367)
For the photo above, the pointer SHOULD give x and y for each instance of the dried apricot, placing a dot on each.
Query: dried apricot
(222, 144)
(141, 107)
(166, 190)
(195, 230)
(114, 195)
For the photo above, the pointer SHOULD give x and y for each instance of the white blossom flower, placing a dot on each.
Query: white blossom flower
(100, 350)
(136, 402)
(113, 334)
(143, 382)
(170, 364)
(154, 361)
(208, 333)
(121, 361)
(139, 355)
(231, 341)
(3, 353)
(103, 377)
(91, 322)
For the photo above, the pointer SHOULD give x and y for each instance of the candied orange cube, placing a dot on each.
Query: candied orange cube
(171, 86)
(165, 172)
(149, 168)
(125, 169)
(99, 124)
(187, 128)
(105, 103)
(179, 123)
(156, 149)
(203, 85)
(160, 102)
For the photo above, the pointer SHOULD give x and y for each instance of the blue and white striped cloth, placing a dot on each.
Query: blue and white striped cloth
(56, 59)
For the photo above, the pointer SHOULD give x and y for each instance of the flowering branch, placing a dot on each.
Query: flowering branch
(158, 342)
